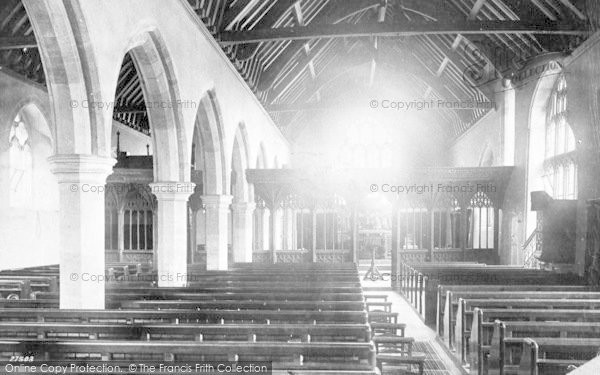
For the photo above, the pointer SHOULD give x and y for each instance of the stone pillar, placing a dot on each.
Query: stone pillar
(265, 228)
(81, 228)
(243, 213)
(171, 249)
(278, 227)
(288, 241)
(217, 209)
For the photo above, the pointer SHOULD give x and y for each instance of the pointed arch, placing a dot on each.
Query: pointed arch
(208, 129)
(160, 89)
(71, 76)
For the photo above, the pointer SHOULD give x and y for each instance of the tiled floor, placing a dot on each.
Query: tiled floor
(438, 362)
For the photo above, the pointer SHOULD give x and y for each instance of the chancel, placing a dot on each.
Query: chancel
(315, 187)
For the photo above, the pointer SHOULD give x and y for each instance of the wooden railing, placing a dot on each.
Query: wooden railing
(411, 283)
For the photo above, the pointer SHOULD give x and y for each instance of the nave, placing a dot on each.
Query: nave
(441, 319)
(315, 186)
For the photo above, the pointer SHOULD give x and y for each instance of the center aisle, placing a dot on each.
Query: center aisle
(438, 362)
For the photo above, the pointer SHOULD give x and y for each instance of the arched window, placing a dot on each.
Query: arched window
(559, 164)
(20, 164)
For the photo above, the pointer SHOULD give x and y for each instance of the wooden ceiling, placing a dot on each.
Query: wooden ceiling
(294, 53)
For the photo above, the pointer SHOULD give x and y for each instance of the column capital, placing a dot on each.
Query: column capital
(70, 168)
(221, 201)
(242, 207)
(172, 190)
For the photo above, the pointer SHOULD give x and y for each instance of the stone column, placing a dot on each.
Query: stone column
(288, 241)
(217, 208)
(243, 213)
(171, 249)
(277, 230)
(265, 228)
(81, 228)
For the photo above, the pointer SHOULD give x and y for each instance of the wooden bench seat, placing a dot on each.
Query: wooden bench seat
(383, 317)
(379, 306)
(239, 288)
(489, 348)
(447, 294)
(483, 322)
(397, 351)
(420, 286)
(464, 316)
(310, 356)
(376, 297)
(379, 328)
(246, 305)
(549, 355)
(193, 332)
(159, 294)
(181, 316)
(290, 276)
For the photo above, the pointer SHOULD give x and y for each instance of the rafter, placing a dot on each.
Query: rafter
(337, 11)
(573, 9)
(476, 8)
(234, 13)
(404, 29)
(17, 42)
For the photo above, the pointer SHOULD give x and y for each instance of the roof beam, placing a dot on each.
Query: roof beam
(476, 8)
(337, 12)
(235, 13)
(573, 9)
(404, 29)
(17, 42)
(322, 106)
(544, 10)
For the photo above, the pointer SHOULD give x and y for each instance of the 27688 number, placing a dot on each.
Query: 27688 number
(20, 358)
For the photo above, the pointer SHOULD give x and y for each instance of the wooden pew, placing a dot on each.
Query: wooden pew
(246, 305)
(395, 329)
(491, 349)
(159, 294)
(500, 291)
(483, 320)
(549, 355)
(464, 316)
(181, 316)
(458, 330)
(379, 306)
(383, 317)
(397, 351)
(187, 332)
(420, 284)
(239, 288)
(333, 356)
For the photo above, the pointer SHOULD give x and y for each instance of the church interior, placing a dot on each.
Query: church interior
(361, 187)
